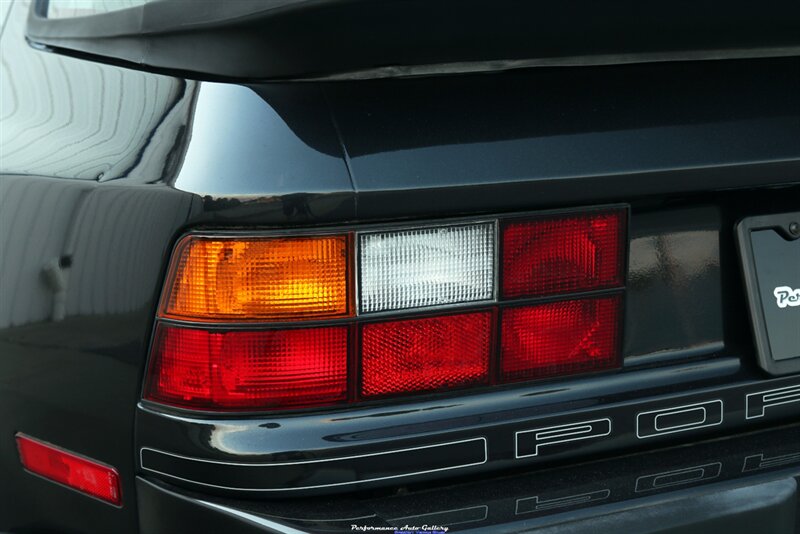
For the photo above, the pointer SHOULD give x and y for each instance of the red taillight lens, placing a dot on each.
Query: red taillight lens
(427, 354)
(249, 370)
(563, 254)
(560, 338)
(71, 470)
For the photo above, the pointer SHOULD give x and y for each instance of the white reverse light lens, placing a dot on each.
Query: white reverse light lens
(426, 267)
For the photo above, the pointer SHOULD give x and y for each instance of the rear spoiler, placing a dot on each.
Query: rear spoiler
(354, 39)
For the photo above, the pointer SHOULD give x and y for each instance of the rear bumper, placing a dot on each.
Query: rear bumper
(383, 447)
(746, 483)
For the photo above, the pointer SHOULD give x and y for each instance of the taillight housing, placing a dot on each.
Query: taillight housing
(275, 322)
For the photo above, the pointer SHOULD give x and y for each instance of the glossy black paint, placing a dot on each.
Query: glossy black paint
(104, 168)
(555, 137)
(356, 469)
(675, 278)
(514, 501)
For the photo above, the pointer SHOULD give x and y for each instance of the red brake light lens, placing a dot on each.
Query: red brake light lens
(426, 354)
(560, 338)
(563, 254)
(249, 370)
(71, 470)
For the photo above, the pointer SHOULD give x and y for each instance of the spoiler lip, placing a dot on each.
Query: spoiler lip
(295, 39)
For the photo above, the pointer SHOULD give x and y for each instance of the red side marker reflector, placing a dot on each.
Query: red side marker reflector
(563, 254)
(247, 369)
(560, 338)
(69, 469)
(429, 354)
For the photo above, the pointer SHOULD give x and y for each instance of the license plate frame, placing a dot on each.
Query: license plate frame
(769, 249)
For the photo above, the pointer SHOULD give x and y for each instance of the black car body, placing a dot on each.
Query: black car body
(105, 169)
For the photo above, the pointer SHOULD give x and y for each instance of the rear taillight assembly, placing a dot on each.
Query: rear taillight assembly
(258, 323)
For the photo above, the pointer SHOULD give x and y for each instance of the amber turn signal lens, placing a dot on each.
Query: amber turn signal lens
(269, 279)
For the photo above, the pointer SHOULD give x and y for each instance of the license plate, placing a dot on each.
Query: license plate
(770, 252)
